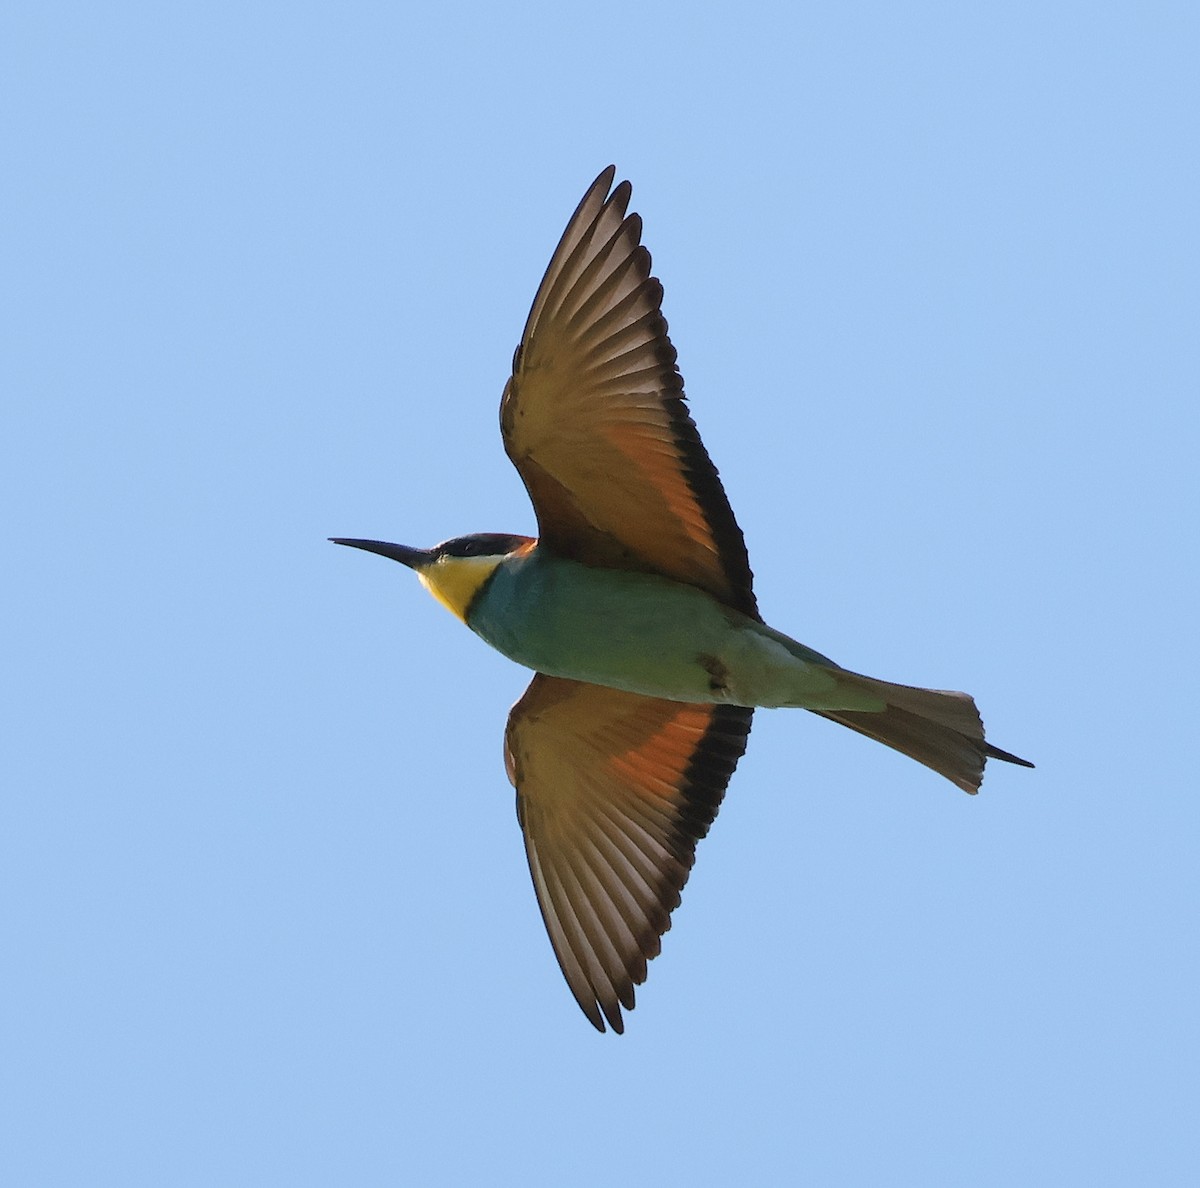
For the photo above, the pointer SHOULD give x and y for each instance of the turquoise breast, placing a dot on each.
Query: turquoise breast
(632, 631)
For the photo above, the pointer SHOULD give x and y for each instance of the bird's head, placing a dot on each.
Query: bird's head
(454, 571)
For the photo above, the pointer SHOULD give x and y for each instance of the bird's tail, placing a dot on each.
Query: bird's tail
(936, 727)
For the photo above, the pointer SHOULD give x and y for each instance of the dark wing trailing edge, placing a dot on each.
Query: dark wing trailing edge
(614, 790)
(594, 417)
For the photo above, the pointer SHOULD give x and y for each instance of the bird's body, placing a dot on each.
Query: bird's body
(647, 634)
(635, 609)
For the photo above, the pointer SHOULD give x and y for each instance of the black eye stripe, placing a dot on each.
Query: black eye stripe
(483, 544)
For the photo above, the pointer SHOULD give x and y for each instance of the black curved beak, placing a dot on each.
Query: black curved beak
(413, 558)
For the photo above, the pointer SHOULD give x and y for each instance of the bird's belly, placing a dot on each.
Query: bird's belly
(641, 633)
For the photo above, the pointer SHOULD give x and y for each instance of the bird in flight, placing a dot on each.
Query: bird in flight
(635, 609)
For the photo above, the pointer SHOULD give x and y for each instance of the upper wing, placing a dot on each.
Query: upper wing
(614, 790)
(594, 418)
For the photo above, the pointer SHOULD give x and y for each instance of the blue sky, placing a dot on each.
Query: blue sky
(932, 273)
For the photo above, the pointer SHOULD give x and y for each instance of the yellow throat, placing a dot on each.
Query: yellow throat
(454, 581)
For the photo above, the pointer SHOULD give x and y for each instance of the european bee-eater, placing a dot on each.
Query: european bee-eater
(634, 608)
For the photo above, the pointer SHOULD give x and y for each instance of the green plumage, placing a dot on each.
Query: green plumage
(647, 634)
